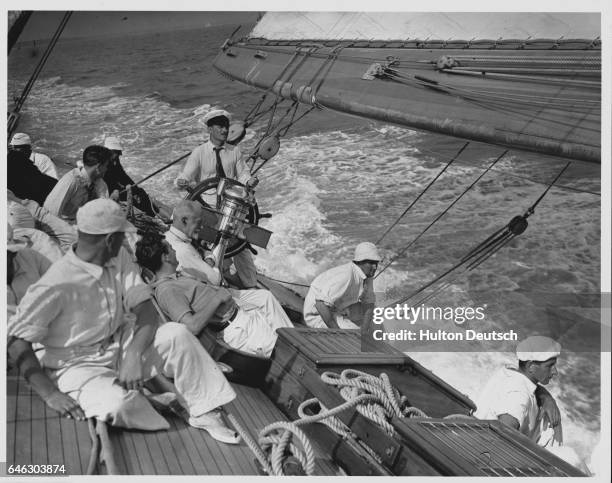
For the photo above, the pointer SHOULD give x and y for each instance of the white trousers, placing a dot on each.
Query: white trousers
(254, 328)
(175, 353)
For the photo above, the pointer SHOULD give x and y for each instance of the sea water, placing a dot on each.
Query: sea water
(339, 180)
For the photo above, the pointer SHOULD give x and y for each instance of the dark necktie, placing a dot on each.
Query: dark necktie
(220, 171)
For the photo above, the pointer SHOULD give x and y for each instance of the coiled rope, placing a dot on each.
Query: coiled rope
(383, 402)
(372, 396)
(276, 444)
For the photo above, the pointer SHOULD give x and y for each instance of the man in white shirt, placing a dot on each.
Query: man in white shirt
(516, 396)
(93, 315)
(196, 304)
(343, 289)
(80, 185)
(216, 158)
(186, 222)
(22, 142)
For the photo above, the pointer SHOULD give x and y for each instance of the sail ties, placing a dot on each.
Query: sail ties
(480, 253)
(446, 210)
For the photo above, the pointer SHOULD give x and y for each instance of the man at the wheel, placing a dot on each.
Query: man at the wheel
(216, 158)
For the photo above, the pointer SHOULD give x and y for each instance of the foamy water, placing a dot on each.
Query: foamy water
(329, 189)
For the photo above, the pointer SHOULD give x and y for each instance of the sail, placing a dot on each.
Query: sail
(527, 81)
(425, 25)
(17, 20)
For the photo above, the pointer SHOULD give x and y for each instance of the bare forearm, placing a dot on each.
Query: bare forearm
(146, 326)
(20, 351)
(326, 314)
(197, 321)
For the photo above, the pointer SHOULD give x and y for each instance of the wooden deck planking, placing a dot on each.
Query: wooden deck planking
(177, 458)
(71, 448)
(127, 452)
(23, 427)
(38, 430)
(55, 453)
(212, 449)
(199, 468)
(11, 416)
(186, 450)
(155, 451)
(141, 447)
(36, 434)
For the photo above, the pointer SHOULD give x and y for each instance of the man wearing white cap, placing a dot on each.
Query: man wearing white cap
(117, 179)
(516, 396)
(336, 293)
(22, 142)
(93, 315)
(216, 158)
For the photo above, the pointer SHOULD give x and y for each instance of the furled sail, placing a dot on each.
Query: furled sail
(524, 80)
(17, 20)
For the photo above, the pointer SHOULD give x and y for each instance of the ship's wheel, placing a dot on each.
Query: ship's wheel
(253, 216)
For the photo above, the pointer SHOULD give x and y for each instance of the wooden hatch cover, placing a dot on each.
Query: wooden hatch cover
(339, 346)
(479, 448)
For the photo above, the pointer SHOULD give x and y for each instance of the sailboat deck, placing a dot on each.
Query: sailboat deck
(37, 435)
(183, 450)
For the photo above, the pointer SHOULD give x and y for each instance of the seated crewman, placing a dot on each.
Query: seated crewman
(192, 302)
(186, 223)
(93, 315)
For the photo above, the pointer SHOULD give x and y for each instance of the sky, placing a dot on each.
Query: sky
(43, 24)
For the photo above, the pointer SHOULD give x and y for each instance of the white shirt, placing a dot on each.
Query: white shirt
(44, 164)
(189, 258)
(75, 308)
(202, 164)
(510, 392)
(338, 287)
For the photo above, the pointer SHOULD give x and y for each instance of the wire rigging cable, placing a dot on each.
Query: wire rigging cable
(484, 250)
(421, 194)
(403, 250)
(28, 87)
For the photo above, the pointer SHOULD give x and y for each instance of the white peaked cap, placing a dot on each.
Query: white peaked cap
(216, 113)
(20, 139)
(102, 216)
(537, 348)
(366, 251)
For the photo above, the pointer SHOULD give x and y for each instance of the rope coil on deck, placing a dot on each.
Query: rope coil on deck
(374, 397)
(276, 445)
(385, 400)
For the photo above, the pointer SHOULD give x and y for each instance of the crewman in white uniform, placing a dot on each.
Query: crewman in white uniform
(216, 158)
(342, 291)
(516, 396)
